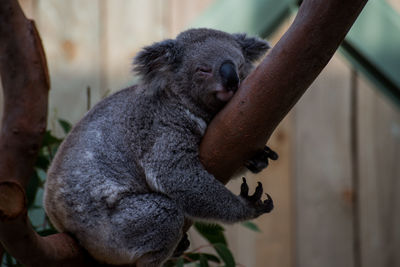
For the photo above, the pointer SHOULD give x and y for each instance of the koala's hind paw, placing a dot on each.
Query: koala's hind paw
(182, 246)
(255, 199)
(260, 160)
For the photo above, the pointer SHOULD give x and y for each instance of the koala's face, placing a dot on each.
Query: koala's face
(211, 70)
(202, 66)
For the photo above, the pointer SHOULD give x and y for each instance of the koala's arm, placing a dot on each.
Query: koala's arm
(173, 168)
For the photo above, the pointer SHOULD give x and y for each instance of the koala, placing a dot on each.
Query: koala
(128, 174)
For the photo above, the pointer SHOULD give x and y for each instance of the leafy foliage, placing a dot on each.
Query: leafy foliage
(252, 226)
(65, 125)
(214, 234)
(225, 254)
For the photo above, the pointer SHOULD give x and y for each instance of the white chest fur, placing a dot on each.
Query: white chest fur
(201, 124)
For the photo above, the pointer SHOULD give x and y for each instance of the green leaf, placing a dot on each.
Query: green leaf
(41, 173)
(65, 125)
(252, 226)
(33, 207)
(49, 139)
(47, 232)
(225, 254)
(174, 262)
(179, 263)
(49, 224)
(31, 190)
(53, 151)
(42, 161)
(203, 261)
(10, 261)
(196, 257)
(214, 233)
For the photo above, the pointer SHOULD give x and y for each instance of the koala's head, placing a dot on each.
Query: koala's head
(203, 67)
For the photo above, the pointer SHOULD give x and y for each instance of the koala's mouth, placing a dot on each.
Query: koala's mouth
(223, 94)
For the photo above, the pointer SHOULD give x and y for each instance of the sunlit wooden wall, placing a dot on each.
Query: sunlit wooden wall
(336, 182)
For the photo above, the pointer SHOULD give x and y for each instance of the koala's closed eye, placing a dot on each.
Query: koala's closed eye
(204, 69)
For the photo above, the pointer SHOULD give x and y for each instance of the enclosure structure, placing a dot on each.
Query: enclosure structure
(322, 143)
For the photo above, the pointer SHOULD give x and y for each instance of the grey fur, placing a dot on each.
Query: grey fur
(128, 174)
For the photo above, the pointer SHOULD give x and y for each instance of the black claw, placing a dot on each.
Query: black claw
(254, 200)
(268, 204)
(257, 194)
(256, 167)
(244, 188)
(270, 153)
(260, 160)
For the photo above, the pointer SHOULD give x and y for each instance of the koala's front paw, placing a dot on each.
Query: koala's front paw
(260, 160)
(254, 200)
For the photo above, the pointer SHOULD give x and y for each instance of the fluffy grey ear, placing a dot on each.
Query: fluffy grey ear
(157, 58)
(253, 47)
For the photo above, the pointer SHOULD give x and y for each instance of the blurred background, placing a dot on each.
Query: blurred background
(336, 183)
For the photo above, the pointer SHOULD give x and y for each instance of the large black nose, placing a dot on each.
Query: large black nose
(230, 78)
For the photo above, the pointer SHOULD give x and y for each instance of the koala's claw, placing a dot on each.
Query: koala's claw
(260, 160)
(244, 189)
(268, 204)
(257, 194)
(271, 154)
(255, 199)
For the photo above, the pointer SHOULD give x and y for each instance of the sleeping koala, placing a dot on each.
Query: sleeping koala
(128, 174)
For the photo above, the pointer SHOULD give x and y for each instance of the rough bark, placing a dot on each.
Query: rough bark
(25, 84)
(238, 131)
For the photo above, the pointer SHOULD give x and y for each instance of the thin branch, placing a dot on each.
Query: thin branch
(267, 95)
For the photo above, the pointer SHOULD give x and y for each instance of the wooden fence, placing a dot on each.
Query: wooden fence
(335, 184)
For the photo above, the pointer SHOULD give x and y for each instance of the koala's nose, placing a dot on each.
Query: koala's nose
(230, 78)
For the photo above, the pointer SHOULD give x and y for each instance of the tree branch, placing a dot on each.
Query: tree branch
(25, 83)
(267, 95)
(238, 131)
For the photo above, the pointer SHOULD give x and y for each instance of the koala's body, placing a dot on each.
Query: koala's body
(128, 174)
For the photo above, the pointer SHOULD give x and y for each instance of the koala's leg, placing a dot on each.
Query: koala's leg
(143, 229)
(161, 223)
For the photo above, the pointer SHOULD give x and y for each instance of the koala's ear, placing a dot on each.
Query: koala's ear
(156, 58)
(253, 47)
